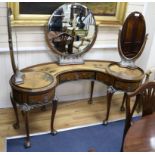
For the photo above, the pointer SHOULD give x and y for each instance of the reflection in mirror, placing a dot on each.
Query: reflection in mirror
(71, 30)
(132, 38)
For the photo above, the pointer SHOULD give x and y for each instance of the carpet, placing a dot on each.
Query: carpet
(100, 137)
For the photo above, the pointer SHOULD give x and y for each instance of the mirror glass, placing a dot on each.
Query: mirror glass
(132, 35)
(71, 30)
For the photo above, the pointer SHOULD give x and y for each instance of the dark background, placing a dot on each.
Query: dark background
(46, 8)
(38, 7)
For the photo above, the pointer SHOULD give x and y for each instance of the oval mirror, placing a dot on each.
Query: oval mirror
(132, 36)
(71, 30)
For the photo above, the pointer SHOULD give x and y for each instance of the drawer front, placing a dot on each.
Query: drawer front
(28, 98)
(126, 86)
(68, 77)
(105, 78)
(76, 76)
(86, 75)
(42, 98)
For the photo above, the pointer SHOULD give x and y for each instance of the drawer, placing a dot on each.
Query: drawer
(126, 86)
(76, 76)
(28, 98)
(86, 75)
(68, 77)
(41, 98)
(105, 78)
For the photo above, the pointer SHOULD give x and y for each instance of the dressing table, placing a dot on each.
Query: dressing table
(34, 86)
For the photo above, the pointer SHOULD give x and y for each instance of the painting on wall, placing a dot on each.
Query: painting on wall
(37, 13)
(102, 8)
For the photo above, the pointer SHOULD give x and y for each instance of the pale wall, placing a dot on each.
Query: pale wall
(34, 50)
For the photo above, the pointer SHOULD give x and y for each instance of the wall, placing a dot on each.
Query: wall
(33, 50)
(151, 32)
(149, 52)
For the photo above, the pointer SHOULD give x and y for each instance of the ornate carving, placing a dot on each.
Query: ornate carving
(25, 107)
(111, 89)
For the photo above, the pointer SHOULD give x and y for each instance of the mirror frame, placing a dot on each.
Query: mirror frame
(125, 61)
(41, 20)
(120, 35)
(86, 49)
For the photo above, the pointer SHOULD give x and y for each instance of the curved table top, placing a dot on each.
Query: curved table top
(35, 80)
(127, 73)
(141, 135)
(55, 69)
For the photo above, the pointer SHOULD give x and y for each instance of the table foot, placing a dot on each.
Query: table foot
(105, 122)
(54, 132)
(16, 125)
(27, 144)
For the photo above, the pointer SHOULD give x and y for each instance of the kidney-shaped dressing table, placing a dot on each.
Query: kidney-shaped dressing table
(70, 33)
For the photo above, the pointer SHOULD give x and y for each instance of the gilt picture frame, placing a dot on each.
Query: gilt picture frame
(113, 15)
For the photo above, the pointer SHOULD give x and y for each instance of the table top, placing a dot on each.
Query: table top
(92, 65)
(54, 70)
(141, 135)
(127, 73)
(35, 80)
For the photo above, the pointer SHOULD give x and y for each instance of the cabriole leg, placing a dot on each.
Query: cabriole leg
(15, 125)
(54, 109)
(110, 92)
(91, 92)
(27, 142)
(123, 102)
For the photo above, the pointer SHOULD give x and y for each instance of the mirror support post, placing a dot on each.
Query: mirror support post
(19, 76)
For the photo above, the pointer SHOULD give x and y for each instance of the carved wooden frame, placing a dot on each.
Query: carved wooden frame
(41, 20)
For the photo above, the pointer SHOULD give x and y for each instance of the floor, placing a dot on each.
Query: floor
(69, 114)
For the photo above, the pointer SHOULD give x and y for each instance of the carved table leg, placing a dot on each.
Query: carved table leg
(123, 102)
(27, 142)
(110, 92)
(91, 92)
(15, 125)
(54, 108)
